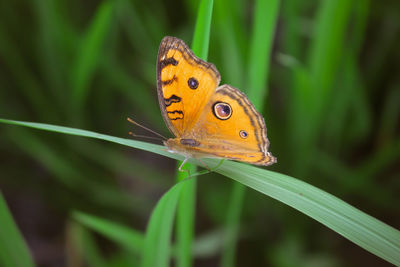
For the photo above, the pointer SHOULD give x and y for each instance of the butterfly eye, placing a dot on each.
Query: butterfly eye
(222, 111)
(193, 83)
(243, 134)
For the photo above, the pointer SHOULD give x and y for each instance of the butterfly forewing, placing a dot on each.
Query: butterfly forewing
(185, 83)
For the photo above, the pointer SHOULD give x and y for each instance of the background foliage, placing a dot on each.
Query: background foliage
(332, 112)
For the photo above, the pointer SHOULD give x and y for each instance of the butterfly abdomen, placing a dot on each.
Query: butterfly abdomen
(184, 146)
(189, 142)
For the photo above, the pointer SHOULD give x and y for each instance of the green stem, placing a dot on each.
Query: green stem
(187, 201)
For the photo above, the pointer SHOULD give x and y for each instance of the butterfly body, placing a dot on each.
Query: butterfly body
(207, 120)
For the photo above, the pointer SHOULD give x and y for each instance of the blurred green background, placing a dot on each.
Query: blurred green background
(332, 112)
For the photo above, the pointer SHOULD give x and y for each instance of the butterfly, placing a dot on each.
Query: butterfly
(207, 120)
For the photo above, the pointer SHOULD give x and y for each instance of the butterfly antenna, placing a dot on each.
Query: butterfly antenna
(145, 136)
(135, 123)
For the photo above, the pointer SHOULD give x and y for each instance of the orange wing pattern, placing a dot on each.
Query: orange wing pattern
(239, 134)
(206, 120)
(185, 84)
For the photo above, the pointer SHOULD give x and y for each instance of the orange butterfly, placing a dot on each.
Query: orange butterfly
(207, 120)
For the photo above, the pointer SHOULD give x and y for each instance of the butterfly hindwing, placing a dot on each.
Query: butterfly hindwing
(231, 127)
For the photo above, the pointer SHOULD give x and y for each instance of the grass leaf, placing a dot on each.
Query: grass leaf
(187, 202)
(201, 37)
(360, 228)
(89, 52)
(266, 13)
(13, 249)
(355, 225)
(265, 17)
(157, 247)
(126, 237)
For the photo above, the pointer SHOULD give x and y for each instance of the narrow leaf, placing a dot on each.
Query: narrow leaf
(157, 246)
(13, 249)
(355, 225)
(89, 51)
(124, 236)
(187, 202)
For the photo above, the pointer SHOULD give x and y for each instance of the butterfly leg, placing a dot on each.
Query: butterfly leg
(205, 165)
(182, 170)
(219, 164)
(208, 170)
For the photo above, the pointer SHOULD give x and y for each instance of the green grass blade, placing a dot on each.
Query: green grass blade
(231, 40)
(360, 228)
(13, 249)
(313, 85)
(291, 10)
(329, 34)
(82, 248)
(232, 225)
(339, 109)
(74, 131)
(266, 13)
(187, 201)
(326, 52)
(157, 246)
(232, 71)
(201, 37)
(349, 87)
(355, 225)
(89, 52)
(91, 250)
(122, 235)
(265, 17)
(185, 220)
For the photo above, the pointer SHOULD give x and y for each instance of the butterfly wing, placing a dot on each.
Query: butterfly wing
(207, 121)
(185, 84)
(230, 127)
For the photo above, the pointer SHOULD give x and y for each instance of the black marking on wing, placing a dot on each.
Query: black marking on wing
(175, 112)
(168, 61)
(170, 81)
(172, 99)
